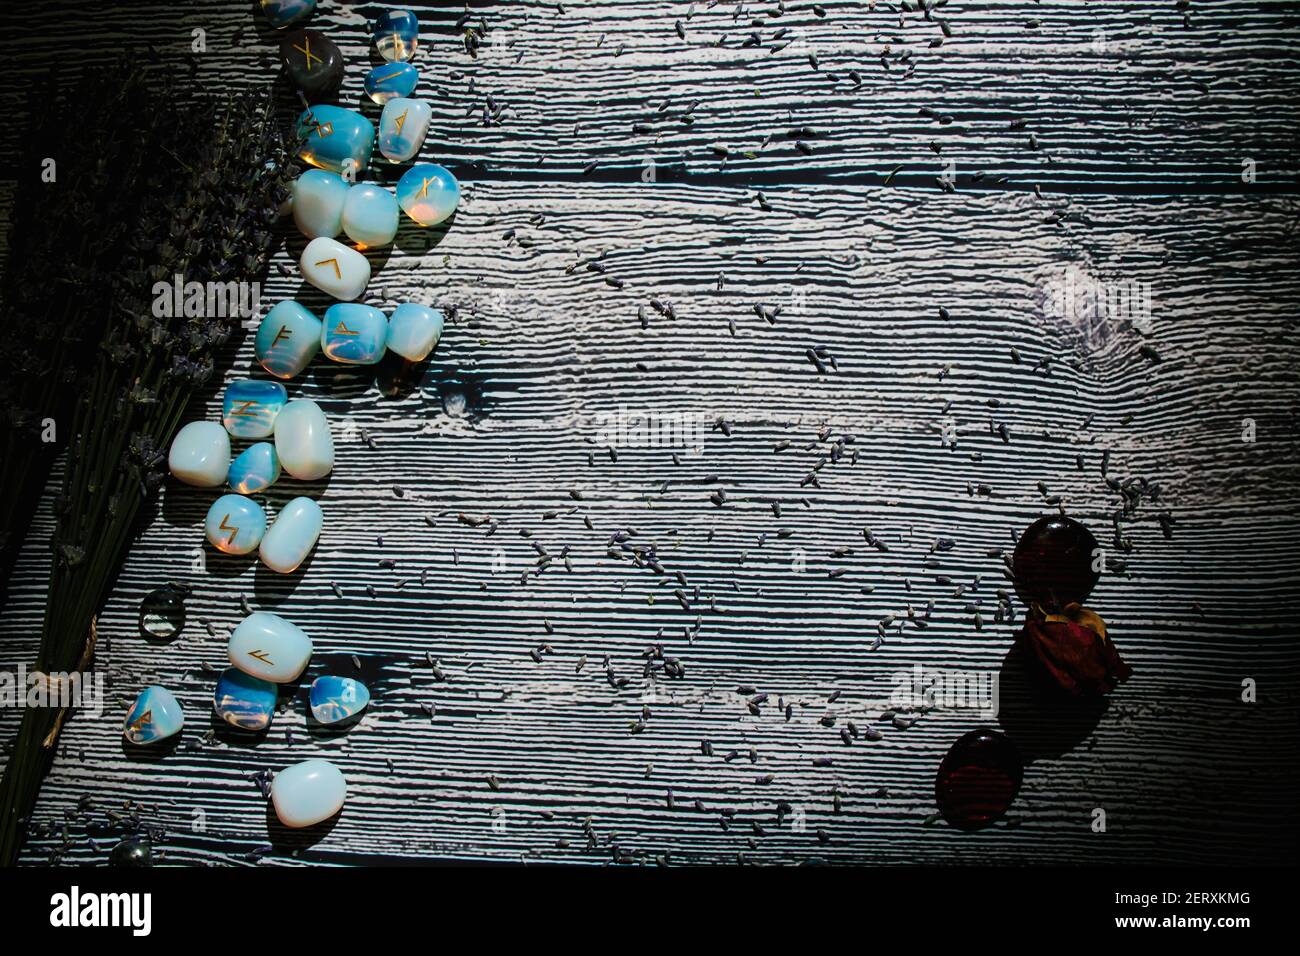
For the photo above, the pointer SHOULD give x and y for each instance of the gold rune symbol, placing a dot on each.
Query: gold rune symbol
(261, 656)
(143, 719)
(241, 410)
(305, 50)
(342, 329)
(400, 122)
(424, 186)
(284, 333)
(324, 129)
(334, 263)
(224, 527)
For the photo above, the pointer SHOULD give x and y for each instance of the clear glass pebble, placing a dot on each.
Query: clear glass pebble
(162, 612)
(397, 34)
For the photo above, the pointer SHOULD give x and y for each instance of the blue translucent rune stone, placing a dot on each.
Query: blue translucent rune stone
(390, 80)
(285, 13)
(288, 542)
(288, 339)
(155, 715)
(354, 334)
(402, 128)
(245, 701)
(413, 330)
(318, 198)
(249, 407)
(336, 139)
(428, 193)
(235, 524)
(334, 699)
(370, 215)
(397, 33)
(255, 469)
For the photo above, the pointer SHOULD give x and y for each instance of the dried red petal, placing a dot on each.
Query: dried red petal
(978, 779)
(1081, 660)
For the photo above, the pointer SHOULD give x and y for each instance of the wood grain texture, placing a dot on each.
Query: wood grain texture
(1114, 95)
(495, 566)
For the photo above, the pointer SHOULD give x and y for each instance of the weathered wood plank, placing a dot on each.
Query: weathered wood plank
(1060, 94)
(505, 422)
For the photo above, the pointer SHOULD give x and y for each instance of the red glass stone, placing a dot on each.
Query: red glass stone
(1053, 563)
(978, 779)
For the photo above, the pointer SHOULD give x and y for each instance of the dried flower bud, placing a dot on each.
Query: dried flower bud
(1074, 651)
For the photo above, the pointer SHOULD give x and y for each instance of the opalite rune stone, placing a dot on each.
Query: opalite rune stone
(235, 524)
(402, 128)
(318, 197)
(413, 330)
(397, 34)
(388, 80)
(312, 61)
(288, 339)
(250, 407)
(285, 13)
(292, 536)
(370, 215)
(268, 647)
(254, 469)
(302, 440)
(335, 268)
(334, 699)
(354, 334)
(200, 454)
(308, 793)
(244, 701)
(336, 139)
(154, 716)
(428, 193)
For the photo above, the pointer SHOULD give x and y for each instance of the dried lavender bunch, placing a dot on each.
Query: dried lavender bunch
(206, 212)
(80, 186)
